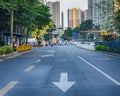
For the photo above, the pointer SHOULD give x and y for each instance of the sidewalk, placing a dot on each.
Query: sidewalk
(86, 45)
(12, 55)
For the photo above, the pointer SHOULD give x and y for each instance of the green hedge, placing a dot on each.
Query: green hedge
(100, 47)
(6, 50)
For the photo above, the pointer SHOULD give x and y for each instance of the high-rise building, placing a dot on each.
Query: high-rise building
(90, 9)
(96, 17)
(75, 17)
(69, 18)
(86, 14)
(102, 13)
(82, 15)
(55, 12)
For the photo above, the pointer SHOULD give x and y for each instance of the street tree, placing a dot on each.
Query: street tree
(86, 25)
(9, 7)
(67, 34)
(42, 15)
(22, 16)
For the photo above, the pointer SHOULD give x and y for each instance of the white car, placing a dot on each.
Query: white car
(60, 42)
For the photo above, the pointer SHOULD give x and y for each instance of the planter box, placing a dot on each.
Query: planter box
(23, 48)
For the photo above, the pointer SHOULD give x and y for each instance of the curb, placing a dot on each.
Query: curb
(113, 54)
(7, 55)
(109, 53)
(13, 54)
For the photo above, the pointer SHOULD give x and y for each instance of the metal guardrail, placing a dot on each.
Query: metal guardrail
(114, 47)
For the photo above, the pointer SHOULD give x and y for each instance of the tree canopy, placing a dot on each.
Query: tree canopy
(68, 34)
(27, 13)
(86, 25)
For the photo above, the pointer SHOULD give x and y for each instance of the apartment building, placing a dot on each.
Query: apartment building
(55, 12)
(102, 13)
(90, 9)
(75, 17)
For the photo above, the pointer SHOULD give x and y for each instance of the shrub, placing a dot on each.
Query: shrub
(97, 47)
(1, 51)
(103, 48)
(6, 50)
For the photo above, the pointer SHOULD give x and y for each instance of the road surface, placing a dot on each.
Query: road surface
(60, 71)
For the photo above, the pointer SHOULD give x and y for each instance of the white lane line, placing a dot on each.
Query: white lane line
(29, 68)
(37, 61)
(7, 88)
(103, 73)
(103, 58)
(47, 56)
(92, 54)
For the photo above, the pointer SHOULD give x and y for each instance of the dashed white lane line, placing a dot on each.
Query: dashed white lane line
(7, 88)
(100, 71)
(37, 61)
(44, 56)
(29, 68)
(103, 58)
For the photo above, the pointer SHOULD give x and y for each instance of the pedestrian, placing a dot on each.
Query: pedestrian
(46, 44)
(52, 44)
(14, 44)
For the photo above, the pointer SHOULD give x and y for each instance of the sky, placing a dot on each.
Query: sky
(67, 4)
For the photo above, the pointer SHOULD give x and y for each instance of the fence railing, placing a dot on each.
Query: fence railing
(113, 47)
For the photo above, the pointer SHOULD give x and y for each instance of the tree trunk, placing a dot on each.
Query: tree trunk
(27, 35)
(11, 28)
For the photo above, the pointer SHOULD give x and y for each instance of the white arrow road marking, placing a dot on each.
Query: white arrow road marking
(100, 71)
(7, 88)
(29, 68)
(64, 84)
(37, 61)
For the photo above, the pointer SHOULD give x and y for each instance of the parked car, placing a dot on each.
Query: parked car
(60, 42)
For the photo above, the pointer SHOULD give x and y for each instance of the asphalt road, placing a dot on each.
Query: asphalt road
(60, 71)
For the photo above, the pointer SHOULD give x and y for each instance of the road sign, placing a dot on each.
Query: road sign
(73, 33)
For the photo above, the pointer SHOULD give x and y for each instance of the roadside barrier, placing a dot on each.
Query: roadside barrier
(86, 46)
(23, 47)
